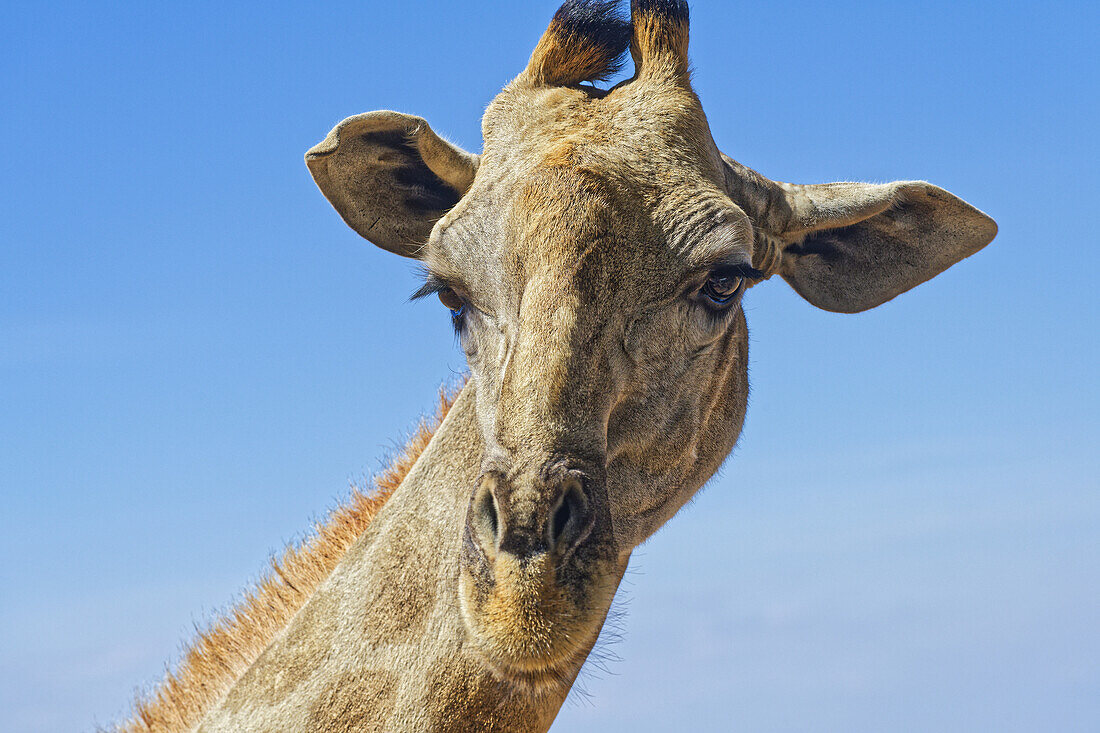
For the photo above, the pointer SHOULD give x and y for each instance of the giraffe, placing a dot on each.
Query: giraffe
(593, 258)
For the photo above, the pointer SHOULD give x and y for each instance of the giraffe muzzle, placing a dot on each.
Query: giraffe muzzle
(538, 571)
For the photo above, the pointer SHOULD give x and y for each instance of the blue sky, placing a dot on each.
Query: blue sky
(197, 356)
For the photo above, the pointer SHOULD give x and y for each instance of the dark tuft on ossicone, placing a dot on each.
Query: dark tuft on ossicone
(585, 42)
(667, 9)
(597, 22)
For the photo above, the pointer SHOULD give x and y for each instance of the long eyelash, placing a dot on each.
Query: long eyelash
(433, 285)
(744, 270)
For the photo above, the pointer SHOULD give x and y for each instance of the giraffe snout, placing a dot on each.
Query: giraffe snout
(526, 518)
(538, 569)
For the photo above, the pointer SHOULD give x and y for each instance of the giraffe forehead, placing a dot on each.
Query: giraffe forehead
(579, 235)
(632, 133)
(579, 175)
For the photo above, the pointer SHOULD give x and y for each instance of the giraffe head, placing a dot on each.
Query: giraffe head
(593, 259)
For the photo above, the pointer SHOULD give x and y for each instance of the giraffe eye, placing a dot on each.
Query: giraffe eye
(454, 303)
(722, 287)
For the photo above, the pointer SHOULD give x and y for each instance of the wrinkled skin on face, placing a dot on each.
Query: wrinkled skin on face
(594, 258)
(578, 270)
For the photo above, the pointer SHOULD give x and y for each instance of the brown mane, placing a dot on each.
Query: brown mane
(218, 657)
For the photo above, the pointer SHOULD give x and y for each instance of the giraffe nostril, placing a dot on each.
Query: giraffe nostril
(484, 518)
(567, 520)
(561, 519)
(488, 510)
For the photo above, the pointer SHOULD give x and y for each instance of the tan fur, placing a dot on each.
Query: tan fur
(219, 656)
(659, 44)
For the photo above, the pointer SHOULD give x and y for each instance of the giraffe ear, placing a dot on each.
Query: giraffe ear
(848, 247)
(390, 177)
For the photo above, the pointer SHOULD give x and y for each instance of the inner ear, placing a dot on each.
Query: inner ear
(391, 177)
(423, 190)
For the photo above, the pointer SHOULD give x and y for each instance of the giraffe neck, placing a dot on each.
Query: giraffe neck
(381, 645)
